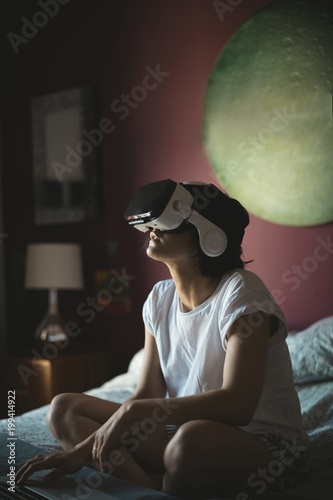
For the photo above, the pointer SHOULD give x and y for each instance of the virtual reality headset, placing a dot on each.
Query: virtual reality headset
(165, 205)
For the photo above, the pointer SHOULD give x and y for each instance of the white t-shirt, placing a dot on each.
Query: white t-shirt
(192, 347)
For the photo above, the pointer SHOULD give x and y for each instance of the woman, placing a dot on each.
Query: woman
(215, 411)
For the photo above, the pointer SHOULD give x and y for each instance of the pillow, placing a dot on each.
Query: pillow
(127, 381)
(311, 352)
(136, 362)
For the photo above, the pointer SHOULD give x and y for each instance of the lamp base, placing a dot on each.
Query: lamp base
(52, 331)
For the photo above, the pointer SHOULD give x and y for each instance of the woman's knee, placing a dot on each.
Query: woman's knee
(194, 444)
(61, 407)
(182, 452)
(182, 458)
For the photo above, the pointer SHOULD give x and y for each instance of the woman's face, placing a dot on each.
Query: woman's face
(171, 247)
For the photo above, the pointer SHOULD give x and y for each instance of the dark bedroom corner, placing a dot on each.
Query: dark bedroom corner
(101, 97)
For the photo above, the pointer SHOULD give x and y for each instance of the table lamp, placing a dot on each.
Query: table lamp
(53, 266)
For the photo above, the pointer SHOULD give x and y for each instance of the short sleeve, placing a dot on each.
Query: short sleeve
(147, 313)
(156, 305)
(246, 294)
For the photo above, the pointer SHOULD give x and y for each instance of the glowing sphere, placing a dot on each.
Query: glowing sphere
(268, 125)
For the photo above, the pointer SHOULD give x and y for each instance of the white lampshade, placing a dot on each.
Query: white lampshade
(54, 265)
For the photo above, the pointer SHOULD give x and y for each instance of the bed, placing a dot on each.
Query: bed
(312, 357)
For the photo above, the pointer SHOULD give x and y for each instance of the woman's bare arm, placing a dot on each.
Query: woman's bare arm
(151, 383)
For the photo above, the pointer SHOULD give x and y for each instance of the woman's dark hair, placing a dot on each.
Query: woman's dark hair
(226, 213)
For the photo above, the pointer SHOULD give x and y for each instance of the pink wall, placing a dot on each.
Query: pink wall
(296, 265)
(112, 44)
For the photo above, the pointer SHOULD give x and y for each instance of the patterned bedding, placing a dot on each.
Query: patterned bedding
(312, 357)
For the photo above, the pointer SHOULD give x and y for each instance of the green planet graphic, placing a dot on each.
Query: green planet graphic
(268, 125)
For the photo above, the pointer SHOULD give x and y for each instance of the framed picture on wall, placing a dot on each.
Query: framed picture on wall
(65, 156)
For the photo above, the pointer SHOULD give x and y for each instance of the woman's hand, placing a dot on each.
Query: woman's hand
(64, 462)
(108, 437)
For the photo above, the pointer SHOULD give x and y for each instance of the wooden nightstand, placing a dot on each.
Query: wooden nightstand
(36, 382)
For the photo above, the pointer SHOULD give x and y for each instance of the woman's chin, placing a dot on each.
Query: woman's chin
(153, 253)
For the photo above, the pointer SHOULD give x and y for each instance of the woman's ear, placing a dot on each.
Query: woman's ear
(213, 240)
